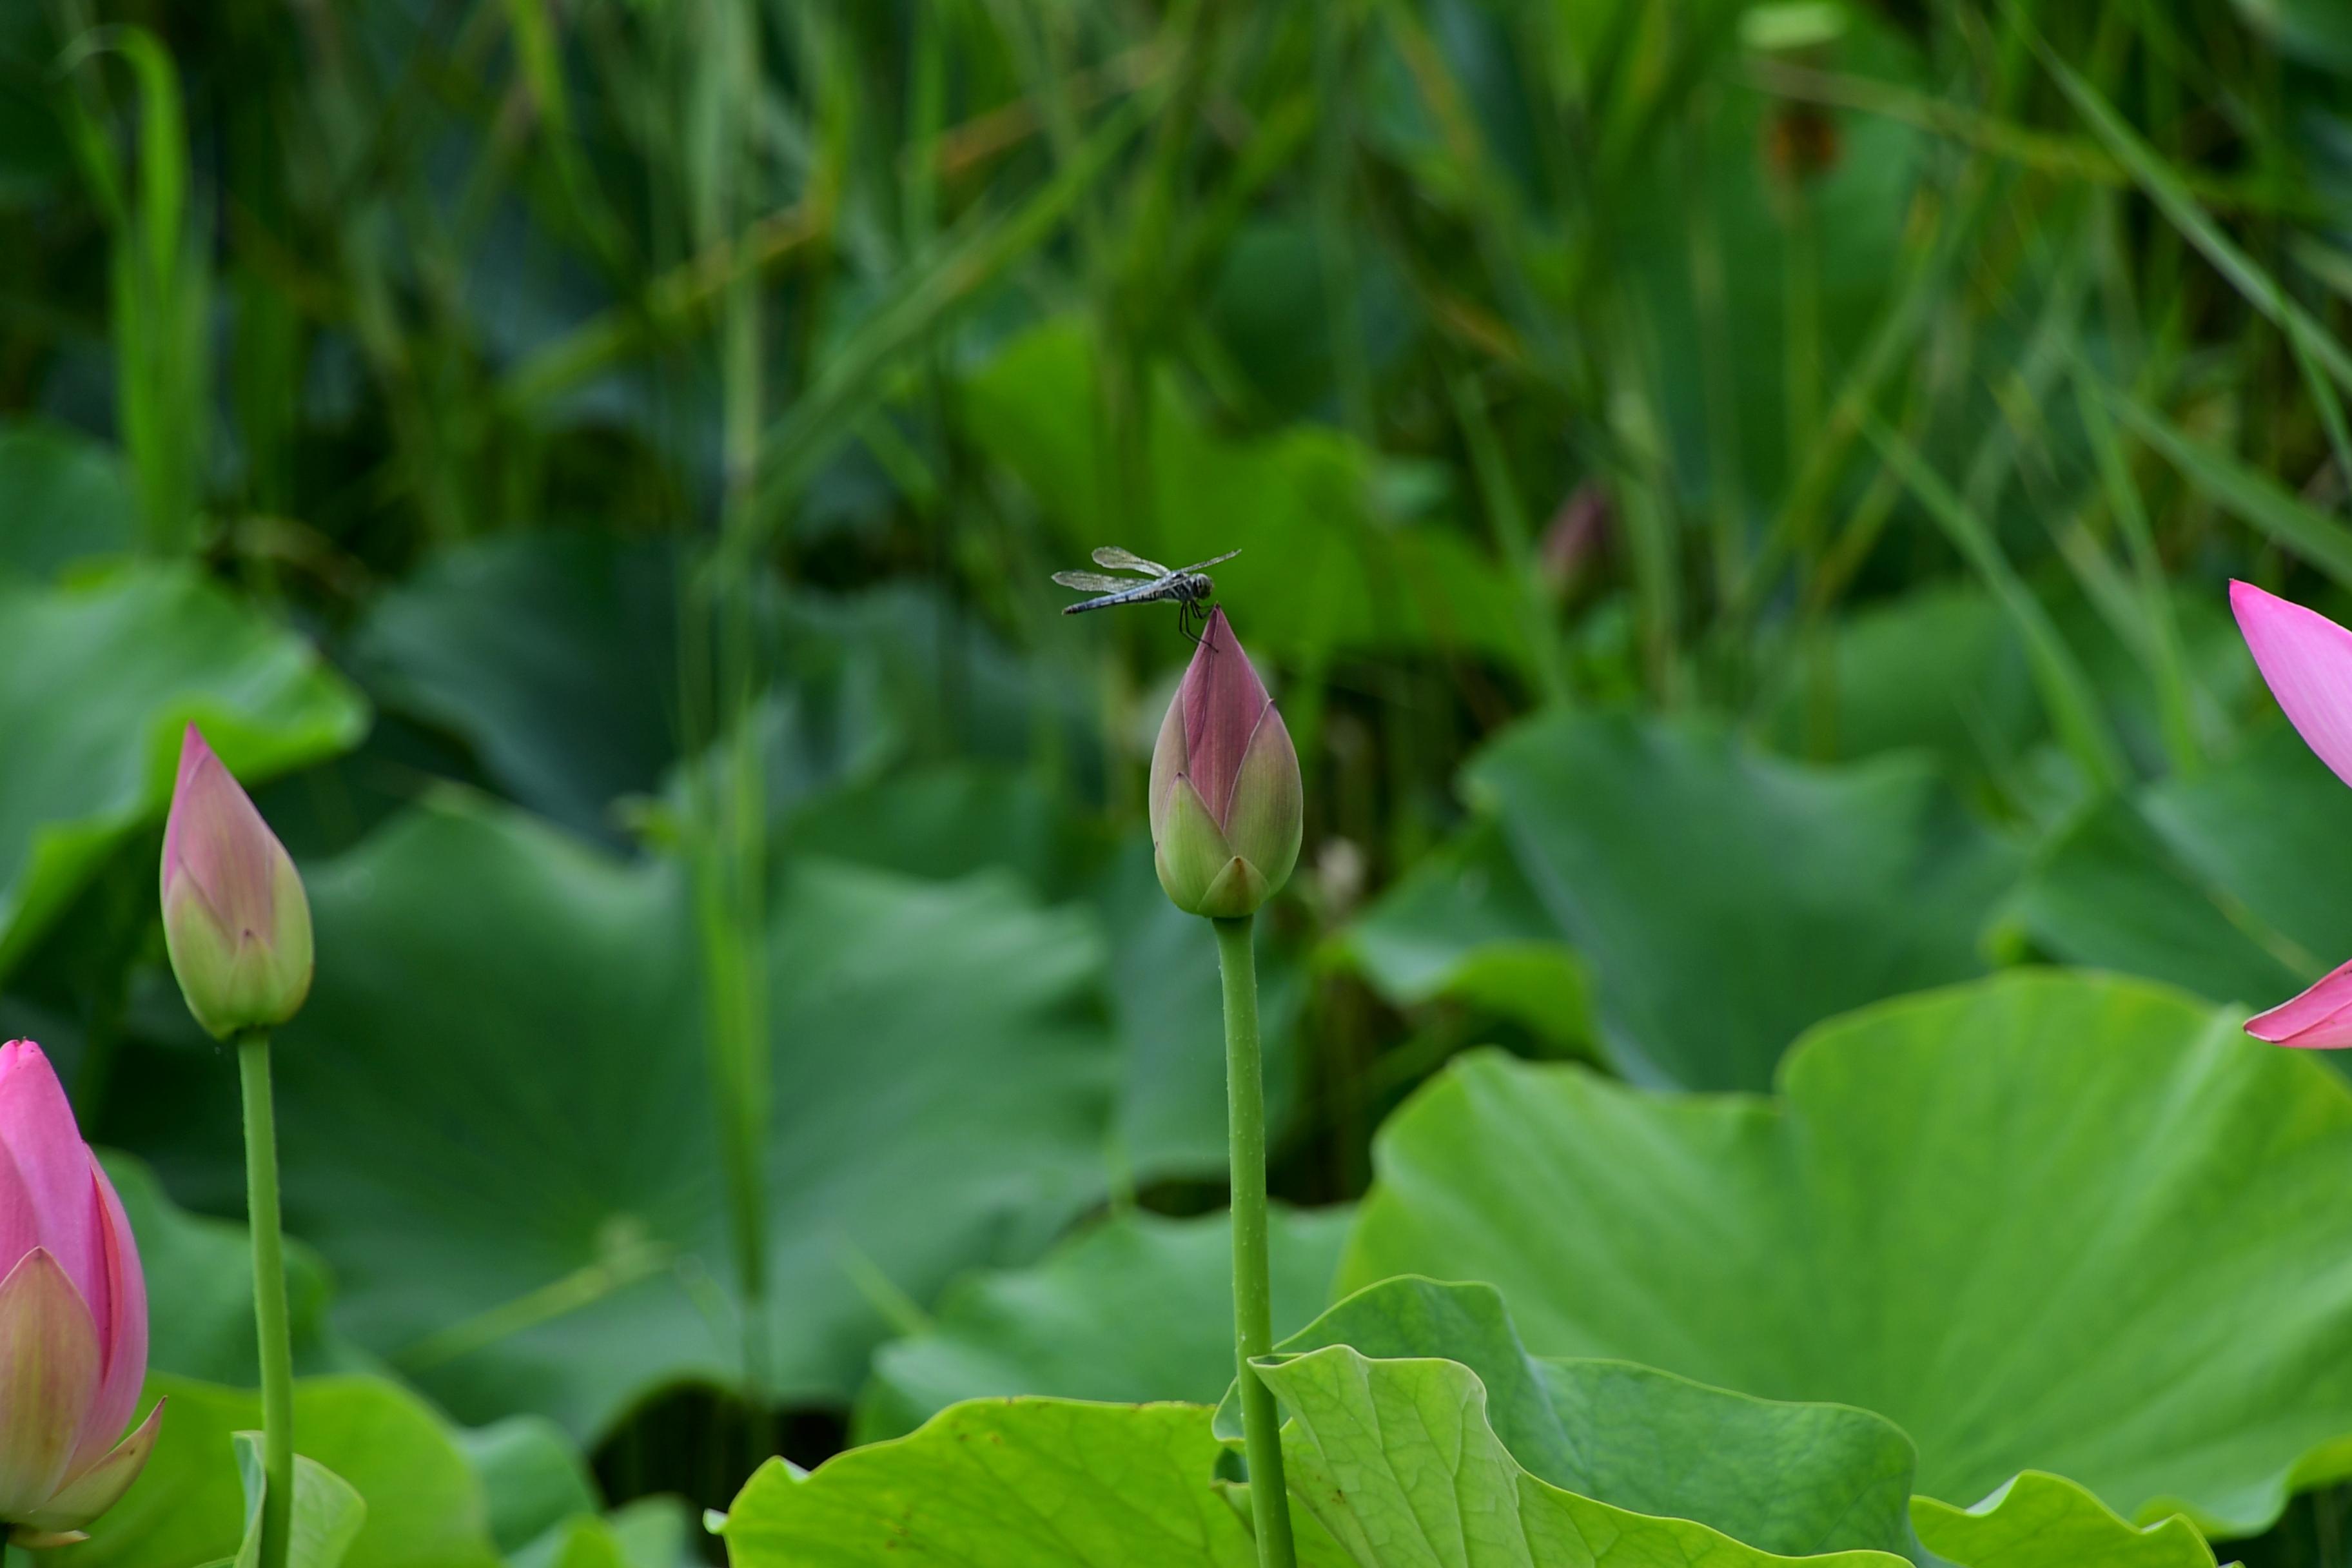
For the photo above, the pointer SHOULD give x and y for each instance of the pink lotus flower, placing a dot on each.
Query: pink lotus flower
(1226, 802)
(235, 920)
(2307, 660)
(73, 1318)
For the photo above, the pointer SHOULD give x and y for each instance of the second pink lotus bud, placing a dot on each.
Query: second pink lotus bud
(235, 920)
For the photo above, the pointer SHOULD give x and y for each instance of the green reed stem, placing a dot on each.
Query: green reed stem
(268, 1296)
(1253, 1294)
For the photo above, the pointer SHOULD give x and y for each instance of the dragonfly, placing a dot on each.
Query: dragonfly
(1187, 587)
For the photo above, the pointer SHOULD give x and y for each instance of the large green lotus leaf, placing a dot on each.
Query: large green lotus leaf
(949, 821)
(1789, 1478)
(200, 1276)
(947, 685)
(808, 744)
(533, 1476)
(1398, 1461)
(1161, 984)
(101, 676)
(648, 1533)
(497, 1125)
(68, 499)
(1321, 567)
(425, 1503)
(1168, 1007)
(2048, 1221)
(1726, 900)
(2235, 882)
(2041, 1520)
(1938, 669)
(1140, 1308)
(653, 1532)
(1011, 1483)
(552, 653)
(1464, 925)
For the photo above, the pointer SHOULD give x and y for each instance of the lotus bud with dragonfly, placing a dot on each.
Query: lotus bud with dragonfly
(1226, 807)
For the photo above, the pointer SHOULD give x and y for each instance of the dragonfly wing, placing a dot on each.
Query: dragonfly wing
(1118, 559)
(1091, 582)
(1205, 566)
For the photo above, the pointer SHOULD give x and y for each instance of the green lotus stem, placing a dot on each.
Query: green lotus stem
(268, 1297)
(1253, 1293)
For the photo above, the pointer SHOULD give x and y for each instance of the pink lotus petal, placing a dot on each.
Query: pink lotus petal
(94, 1489)
(2306, 660)
(49, 1371)
(1263, 819)
(20, 1217)
(1224, 699)
(1169, 763)
(216, 842)
(2318, 1020)
(51, 1164)
(122, 1329)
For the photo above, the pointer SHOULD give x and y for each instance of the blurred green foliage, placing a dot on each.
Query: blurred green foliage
(1734, 500)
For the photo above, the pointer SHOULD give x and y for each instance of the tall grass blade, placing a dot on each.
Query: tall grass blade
(2065, 690)
(857, 374)
(162, 283)
(2281, 516)
(2172, 198)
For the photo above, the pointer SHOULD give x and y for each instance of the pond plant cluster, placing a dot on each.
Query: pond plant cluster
(1717, 945)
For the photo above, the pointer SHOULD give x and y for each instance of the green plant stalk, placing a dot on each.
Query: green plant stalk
(731, 863)
(1335, 254)
(2067, 696)
(728, 915)
(1507, 519)
(1718, 387)
(1801, 383)
(160, 284)
(1253, 1293)
(2168, 665)
(268, 1296)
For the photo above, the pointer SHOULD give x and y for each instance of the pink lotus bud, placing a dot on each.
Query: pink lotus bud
(1226, 801)
(235, 916)
(73, 1318)
(2306, 660)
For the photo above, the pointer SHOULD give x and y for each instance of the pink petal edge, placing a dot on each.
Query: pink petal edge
(40, 1139)
(122, 1331)
(2307, 660)
(1224, 699)
(2320, 1019)
(216, 841)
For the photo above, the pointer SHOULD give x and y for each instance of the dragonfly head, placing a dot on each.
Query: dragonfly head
(1198, 589)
